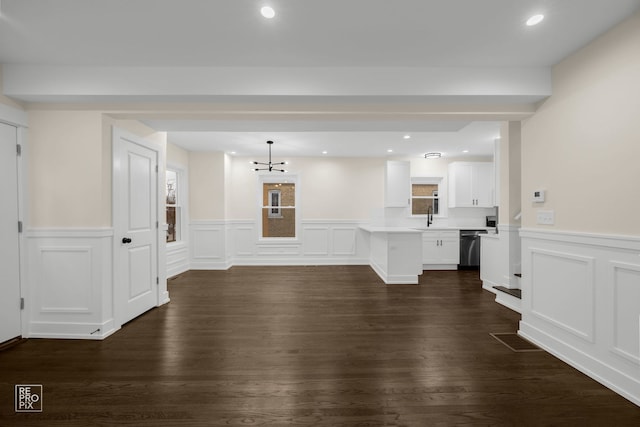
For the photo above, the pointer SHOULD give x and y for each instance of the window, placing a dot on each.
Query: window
(274, 202)
(173, 206)
(425, 197)
(278, 207)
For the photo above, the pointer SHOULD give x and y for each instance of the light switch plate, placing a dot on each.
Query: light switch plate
(546, 217)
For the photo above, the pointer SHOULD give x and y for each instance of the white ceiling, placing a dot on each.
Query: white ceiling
(476, 138)
(470, 36)
(307, 33)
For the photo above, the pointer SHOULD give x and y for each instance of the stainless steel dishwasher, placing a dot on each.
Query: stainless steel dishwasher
(470, 248)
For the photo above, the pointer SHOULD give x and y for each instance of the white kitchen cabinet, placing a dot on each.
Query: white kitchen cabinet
(441, 249)
(471, 185)
(397, 190)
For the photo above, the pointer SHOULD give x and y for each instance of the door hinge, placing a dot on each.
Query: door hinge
(21, 303)
(19, 149)
(157, 169)
(19, 226)
(157, 280)
(157, 224)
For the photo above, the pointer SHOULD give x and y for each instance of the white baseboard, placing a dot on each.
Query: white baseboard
(608, 376)
(509, 301)
(71, 330)
(433, 267)
(581, 302)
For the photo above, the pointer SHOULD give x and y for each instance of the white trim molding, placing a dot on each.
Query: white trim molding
(581, 302)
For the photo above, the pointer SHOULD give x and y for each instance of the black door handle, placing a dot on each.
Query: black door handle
(126, 240)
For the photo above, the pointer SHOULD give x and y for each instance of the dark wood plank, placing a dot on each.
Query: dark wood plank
(317, 346)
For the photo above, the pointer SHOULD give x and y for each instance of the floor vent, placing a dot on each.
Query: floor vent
(515, 342)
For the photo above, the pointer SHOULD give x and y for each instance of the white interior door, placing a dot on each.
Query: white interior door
(9, 242)
(136, 226)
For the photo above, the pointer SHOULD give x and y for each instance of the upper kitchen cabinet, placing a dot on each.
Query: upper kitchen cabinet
(471, 185)
(397, 179)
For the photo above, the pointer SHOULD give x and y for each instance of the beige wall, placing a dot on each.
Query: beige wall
(70, 162)
(331, 188)
(206, 186)
(583, 144)
(66, 170)
(177, 156)
(510, 172)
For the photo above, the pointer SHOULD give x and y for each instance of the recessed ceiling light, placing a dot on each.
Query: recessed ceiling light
(268, 12)
(233, 152)
(389, 150)
(465, 151)
(324, 152)
(407, 137)
(535, 20)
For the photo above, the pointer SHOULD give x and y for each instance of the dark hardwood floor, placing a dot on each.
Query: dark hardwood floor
(326, 346)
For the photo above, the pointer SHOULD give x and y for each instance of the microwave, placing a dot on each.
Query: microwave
(492, 220)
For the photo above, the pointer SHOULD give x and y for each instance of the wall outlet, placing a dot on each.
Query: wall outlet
(546, 217)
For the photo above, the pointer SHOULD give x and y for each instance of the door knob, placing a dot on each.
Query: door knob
(126, 240)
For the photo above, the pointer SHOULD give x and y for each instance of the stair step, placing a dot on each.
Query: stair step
(515, 292)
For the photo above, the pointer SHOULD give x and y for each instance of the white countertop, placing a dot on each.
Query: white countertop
(382, 229)
(490, 236)
(378, 229)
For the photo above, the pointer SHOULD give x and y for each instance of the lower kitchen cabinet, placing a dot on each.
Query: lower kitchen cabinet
(440, 249)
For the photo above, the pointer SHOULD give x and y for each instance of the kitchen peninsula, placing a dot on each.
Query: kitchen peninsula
(395, 253)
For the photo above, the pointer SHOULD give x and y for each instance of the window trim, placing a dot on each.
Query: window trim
(181, 203)
(265, 177)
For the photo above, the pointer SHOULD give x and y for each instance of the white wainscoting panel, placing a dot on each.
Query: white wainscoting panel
(315, 241)
(344, 241)
(244, 236)
(177, 258)
(207, 241)
(69, 283)
(65, 276)
(581, 302)
(331, 242)
(560, 280)
(626, 294)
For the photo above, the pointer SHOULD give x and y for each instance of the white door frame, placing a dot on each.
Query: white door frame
(19, 118)
(162, 296)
